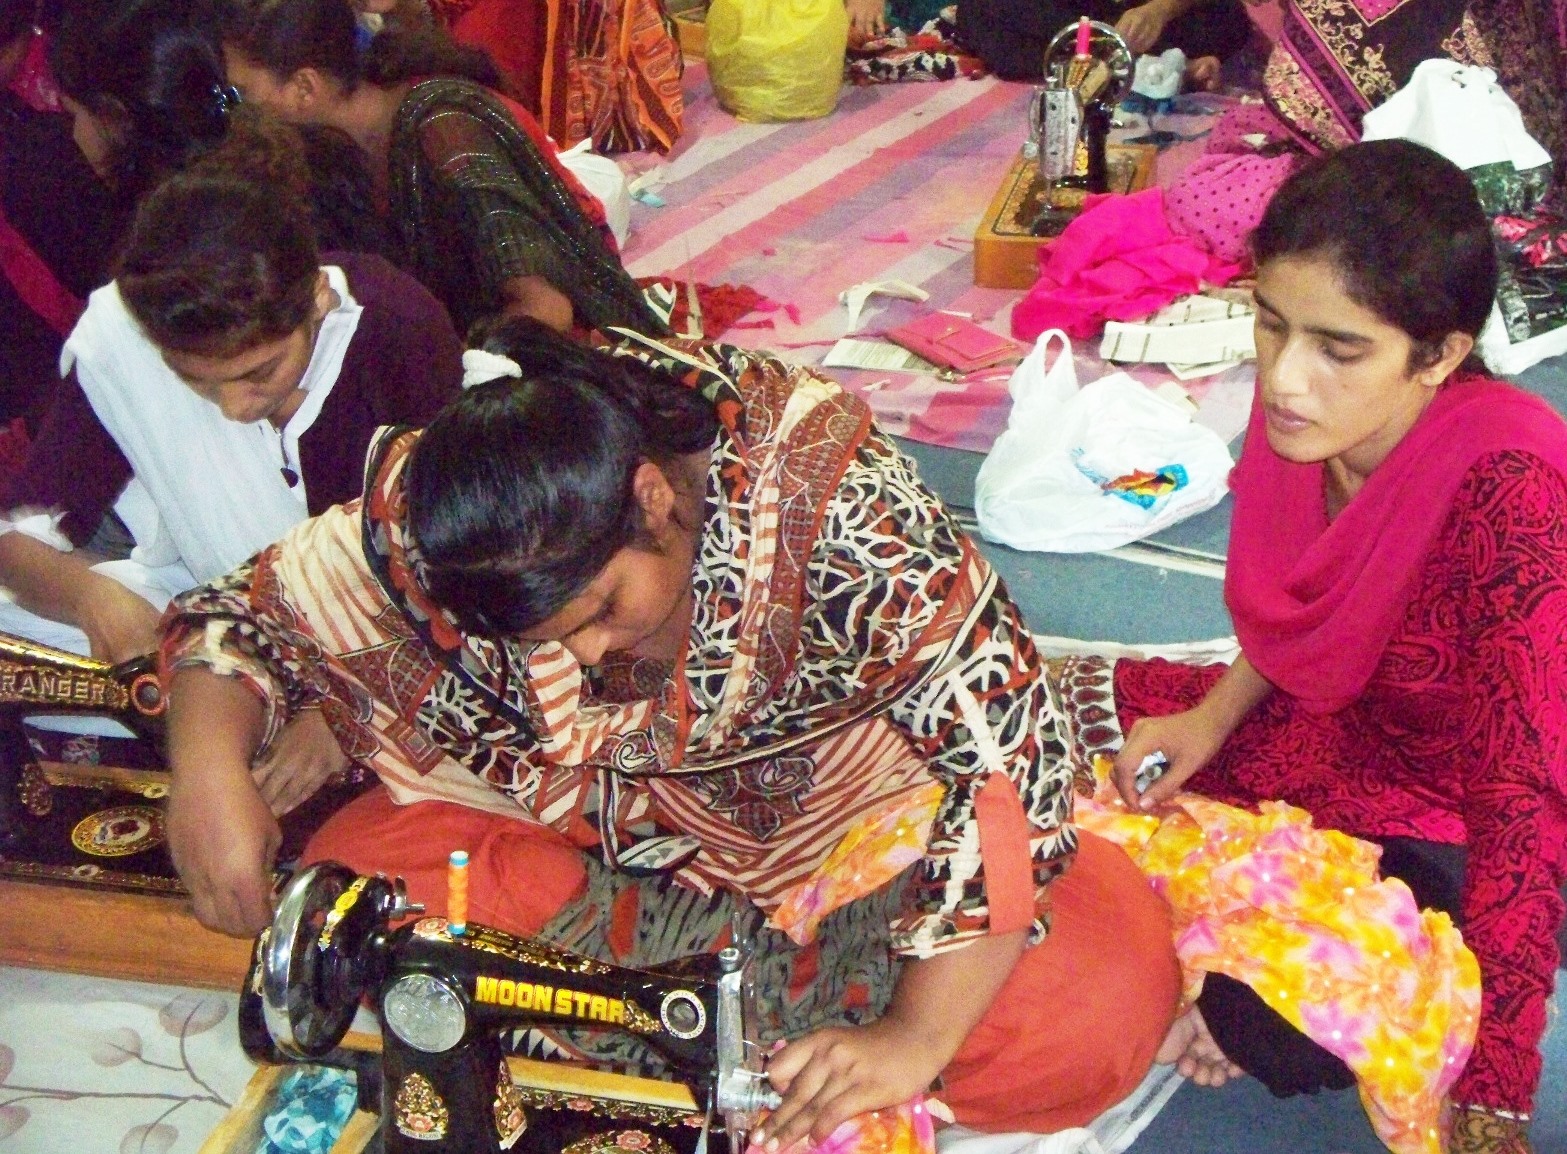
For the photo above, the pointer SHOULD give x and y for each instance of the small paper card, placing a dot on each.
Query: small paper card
(883, 356)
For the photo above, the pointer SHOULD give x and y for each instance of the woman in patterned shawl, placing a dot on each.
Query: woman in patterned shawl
(484, 214)
(601, 70)
(1335, 60)
(671, 641)
(1398, 580)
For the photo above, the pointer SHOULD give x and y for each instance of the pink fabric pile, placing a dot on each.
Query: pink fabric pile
(1120, 260)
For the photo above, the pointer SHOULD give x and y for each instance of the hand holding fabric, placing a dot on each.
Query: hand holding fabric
(828, 1077)
(831, 1075)
(1188, 742)
(1142, 26)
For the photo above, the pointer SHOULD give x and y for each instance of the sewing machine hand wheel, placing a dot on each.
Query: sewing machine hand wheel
(322, 953)
(1105, 45)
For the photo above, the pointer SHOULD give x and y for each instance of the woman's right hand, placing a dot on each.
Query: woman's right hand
(1142, 25)
(119, 624)
(224, 840)
(867, 20)
(1187, 742)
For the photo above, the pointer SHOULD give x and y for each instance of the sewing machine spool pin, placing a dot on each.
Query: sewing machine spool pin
(444, 1001)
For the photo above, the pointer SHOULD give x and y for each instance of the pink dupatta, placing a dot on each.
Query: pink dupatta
(1315, 603)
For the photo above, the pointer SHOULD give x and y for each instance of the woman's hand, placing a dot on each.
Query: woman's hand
(830, 1076)
(1142, 26)
(1188, 742)
(299, 763)
(1477, 1132)
(119, 624)
(222, 835)
(223, 839)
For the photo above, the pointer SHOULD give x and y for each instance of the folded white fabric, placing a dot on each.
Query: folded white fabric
(602, 177)
(1110, 1133)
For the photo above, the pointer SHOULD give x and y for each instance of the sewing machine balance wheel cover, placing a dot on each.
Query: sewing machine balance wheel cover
(312, 974)
(1106, 44)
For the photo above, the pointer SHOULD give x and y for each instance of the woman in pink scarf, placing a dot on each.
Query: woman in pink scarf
(1398, 582)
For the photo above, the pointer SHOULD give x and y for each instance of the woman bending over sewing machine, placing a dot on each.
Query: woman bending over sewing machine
(637, 631)
(477, 204)
(222, 389)
(1011, 36)
(1398, 580)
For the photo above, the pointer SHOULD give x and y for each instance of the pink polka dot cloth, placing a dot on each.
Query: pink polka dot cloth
(1219, 200)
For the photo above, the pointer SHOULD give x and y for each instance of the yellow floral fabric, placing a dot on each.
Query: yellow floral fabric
(1300, 915)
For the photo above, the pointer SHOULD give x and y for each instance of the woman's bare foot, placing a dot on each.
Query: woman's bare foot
(1195, 1054)
(1202, 74)
(867, 19)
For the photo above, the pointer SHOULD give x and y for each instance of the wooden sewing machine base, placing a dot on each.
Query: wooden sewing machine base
(1006, 252)
(88, 887)
(541, 1084)
(101, 906)
(139, 937)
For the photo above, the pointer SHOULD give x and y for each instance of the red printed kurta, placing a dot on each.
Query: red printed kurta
(1460, 737)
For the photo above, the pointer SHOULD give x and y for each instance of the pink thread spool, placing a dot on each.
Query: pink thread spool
(1083, 50)
(457, 893)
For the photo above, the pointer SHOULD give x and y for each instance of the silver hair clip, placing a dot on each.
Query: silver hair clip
(227, 97)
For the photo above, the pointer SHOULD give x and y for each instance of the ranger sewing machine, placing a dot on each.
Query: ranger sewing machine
(35, 679)
(445, 992)
(86, 883)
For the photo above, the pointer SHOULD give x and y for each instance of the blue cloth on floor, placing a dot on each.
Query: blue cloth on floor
(313, 1105)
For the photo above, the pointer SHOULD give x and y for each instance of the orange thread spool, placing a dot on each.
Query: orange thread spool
(457, 893)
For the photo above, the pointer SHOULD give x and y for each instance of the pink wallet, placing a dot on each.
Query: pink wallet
(954, 343)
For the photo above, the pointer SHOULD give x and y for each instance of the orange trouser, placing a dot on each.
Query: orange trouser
(1071, 1033)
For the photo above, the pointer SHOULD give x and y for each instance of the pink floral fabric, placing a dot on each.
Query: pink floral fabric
(1299, 915)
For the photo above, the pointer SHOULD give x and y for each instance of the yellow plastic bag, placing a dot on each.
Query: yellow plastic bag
(777, 59)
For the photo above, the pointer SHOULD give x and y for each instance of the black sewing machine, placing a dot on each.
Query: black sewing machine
(445, 993)
(36, 679)
(98, 823)
(1069, 118)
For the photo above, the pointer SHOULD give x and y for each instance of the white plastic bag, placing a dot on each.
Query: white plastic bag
(601, 176)
(1459, 111)
(1462, 112)
(1036, 489)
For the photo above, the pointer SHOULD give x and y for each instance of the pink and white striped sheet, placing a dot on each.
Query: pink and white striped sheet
(890, 186)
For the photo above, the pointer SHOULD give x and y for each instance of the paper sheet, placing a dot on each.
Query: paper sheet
(881, 355)
(854, 297)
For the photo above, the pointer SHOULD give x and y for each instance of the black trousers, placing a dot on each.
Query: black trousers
(1258, 1039)
(1011, 36)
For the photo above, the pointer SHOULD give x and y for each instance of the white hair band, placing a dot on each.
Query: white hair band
(480, 365)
